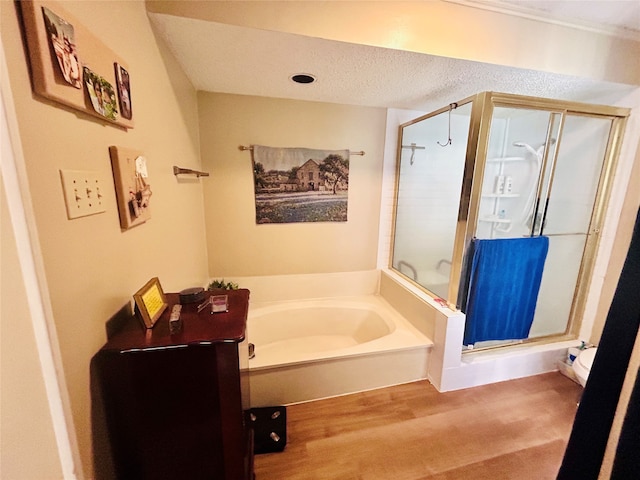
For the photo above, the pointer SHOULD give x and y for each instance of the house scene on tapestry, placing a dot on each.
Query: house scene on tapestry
(300, 184)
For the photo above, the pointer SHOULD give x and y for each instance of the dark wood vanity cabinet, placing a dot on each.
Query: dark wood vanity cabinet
(176, 406)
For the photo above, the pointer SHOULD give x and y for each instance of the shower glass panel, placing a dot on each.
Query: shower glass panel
(428, 196)
(567, 218)
(513, 172)
(576, 175)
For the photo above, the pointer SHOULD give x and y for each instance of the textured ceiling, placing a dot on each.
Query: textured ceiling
(239, 60)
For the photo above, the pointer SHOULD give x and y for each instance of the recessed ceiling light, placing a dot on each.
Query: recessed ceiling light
(303, 78)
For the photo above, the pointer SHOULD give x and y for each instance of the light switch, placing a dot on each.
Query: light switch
(83, 192)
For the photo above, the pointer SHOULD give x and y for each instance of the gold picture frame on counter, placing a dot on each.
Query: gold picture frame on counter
(150, 302)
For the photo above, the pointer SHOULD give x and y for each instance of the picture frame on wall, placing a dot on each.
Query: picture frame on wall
(101, 94)
(133, 188)
(150, 302)
(123, 84)
(59, 46)
(62, 41)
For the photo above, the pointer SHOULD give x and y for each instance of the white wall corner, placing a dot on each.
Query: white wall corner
(447, 347)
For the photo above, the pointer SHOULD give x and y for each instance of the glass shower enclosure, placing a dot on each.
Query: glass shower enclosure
(506, 166)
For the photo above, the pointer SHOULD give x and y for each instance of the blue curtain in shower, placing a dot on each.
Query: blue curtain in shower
(504, 280)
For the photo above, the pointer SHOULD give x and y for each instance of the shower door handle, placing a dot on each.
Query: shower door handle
(534, 215)
(543, 221)
(539, 218)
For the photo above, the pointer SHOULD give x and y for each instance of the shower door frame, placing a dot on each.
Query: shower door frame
(475, 163)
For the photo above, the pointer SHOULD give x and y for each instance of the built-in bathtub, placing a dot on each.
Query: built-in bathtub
(380, 361)
(317, 348)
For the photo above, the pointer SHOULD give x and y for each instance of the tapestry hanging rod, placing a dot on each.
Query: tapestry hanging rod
(187, 171)
(361, 152)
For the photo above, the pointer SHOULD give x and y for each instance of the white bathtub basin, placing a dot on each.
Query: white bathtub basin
(312, 349)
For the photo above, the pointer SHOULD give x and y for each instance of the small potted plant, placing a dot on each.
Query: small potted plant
(222, 285)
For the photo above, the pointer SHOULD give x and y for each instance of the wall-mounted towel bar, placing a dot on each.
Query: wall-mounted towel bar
(413, 148)
(243, 147)
(187, 171)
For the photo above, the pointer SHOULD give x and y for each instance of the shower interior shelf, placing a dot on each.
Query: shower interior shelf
(501, 195)
(495, 219)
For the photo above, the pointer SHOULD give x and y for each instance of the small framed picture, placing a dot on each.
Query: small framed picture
(101, 94)
(123, 83)
(150, 302)
(63, 45)
(219, 303)
(133, 190)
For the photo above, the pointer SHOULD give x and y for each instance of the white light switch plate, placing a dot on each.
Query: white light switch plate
(83, 192)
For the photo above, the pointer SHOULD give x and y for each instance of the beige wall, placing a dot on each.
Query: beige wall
(93, 268)
(25, 419)
(620, 247)
(228, 121)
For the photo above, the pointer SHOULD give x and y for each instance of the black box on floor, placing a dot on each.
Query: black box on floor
(269, 429)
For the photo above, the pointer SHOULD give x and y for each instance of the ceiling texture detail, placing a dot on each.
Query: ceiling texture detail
(226, 58)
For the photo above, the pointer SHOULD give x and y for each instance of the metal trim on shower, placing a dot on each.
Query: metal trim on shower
(546, 166)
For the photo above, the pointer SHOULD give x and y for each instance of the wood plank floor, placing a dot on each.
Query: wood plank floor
(509, 430)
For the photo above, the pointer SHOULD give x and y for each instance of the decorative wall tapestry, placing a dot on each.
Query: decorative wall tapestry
(300, 184)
